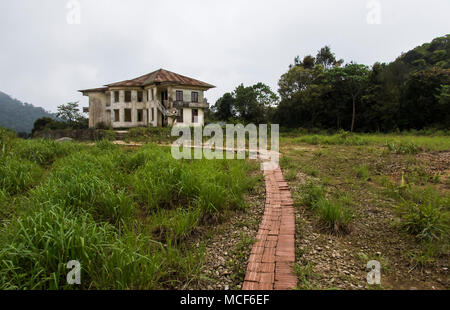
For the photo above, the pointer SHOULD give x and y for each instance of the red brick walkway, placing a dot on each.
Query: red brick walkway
(272, 257)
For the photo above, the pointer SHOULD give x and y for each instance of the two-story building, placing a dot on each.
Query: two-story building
(161, 98)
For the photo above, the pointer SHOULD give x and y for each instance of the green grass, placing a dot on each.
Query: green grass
(16, 176)
(362, 172)
(333, 213)
(125, 215)
(401, 143)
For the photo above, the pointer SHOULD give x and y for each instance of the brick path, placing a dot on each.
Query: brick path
(272, 257)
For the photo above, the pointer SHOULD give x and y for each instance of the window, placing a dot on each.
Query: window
(116, 116)
(128, 96)
(180, 116)
(194, 115)
(179, 95)
(128, 115)
(194, 96)
(153, 95)
(140, 115)
(140, 96)
(116, 96)
(153, 114)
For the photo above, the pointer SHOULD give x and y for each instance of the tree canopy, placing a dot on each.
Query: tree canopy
(411, 92)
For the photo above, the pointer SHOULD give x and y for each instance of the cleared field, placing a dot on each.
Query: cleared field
(134, 218)
(362, 197)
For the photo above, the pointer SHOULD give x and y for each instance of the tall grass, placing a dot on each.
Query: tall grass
(44, 152)
(16, 176)
(123, 215)
(159, 181)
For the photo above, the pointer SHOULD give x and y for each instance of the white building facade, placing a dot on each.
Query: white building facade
(161, 98)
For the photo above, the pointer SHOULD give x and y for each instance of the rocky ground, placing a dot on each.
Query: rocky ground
(329, 261)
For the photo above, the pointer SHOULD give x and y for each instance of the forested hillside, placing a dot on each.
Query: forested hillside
(19, 116)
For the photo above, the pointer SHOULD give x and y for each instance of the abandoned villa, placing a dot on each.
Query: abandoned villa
(158, 99)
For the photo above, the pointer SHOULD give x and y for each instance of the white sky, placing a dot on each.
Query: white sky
(44, 60)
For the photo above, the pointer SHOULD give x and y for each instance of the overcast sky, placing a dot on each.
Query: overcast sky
(45, 58)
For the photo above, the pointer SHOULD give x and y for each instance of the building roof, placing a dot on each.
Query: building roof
(161, 76)
(100, 89)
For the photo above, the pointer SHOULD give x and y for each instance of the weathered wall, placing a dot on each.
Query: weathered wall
(187, 118)
(187, 94)
(97, 109)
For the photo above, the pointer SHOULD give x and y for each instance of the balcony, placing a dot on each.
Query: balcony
(194, 105)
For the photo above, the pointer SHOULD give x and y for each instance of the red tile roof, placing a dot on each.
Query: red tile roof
(161, 76)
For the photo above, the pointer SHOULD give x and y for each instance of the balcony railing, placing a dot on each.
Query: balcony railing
(183, 104)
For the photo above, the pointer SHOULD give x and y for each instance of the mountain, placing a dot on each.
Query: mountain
(19, 116)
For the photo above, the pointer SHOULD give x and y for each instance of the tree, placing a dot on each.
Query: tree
(252, 102)
(224, 107)
(327, 59)
(69, 112)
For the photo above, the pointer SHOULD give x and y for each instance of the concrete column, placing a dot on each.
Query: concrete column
(121, 96)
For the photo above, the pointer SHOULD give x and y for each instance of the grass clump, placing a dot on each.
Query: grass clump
(335, 215)
(362, 172)
(44, 152)
(211, 185)
(175, 225)
(89, 182)
(17, 176)
(427, 220)
(403, 147)
(312, 194)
